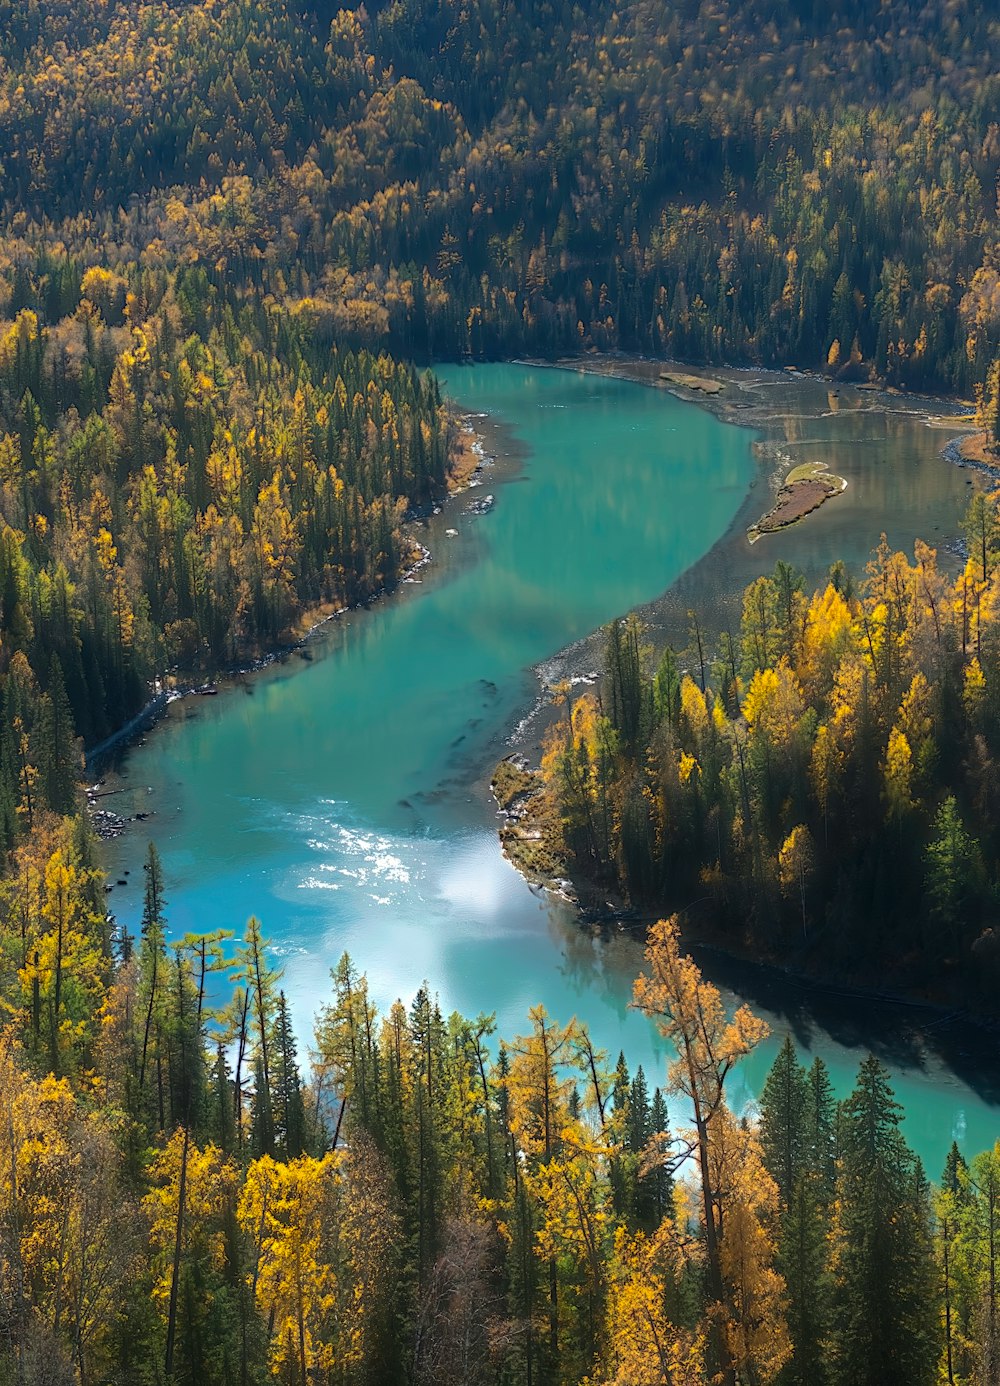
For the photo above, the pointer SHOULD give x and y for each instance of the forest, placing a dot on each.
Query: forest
(233, 235)
(769, 181)
(430, 1203)
(820, 785)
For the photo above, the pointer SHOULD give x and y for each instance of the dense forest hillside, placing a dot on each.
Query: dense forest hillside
(771, 180)
(216, 218)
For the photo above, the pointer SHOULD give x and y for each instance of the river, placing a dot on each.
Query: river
(341, 795)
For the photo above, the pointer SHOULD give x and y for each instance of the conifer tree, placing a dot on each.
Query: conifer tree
(291, 1132)
(821, 1127)
(60, 767)
(153, 967)
(784, 1105)
(886, 1330)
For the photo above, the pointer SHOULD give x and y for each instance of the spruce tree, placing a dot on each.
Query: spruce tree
(885, 1304)
(291, 1115)
(795, 1109)
(951, 1209)
(222, 1123)
(261, 1113)
(60, 757)
(660, 1182)
(624, 691)
(821, 1127)
(621, 1170)
(783, 1120)
(639, 1128)
(803, 1262)
(153, 982)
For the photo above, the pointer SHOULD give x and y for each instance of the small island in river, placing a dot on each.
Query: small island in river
(803, 490)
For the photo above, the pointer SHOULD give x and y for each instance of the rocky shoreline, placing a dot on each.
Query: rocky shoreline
(962, 452)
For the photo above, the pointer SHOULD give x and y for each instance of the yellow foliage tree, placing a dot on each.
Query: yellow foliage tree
(644, 1347)
(69, 1246)
(795, 864)
(283, 1209)
(690, 1015)
(898, 774)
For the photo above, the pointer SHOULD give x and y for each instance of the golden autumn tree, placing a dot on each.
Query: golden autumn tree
(756, 1333)
(54, 941)
(644, 1346)
(828, 635)
(574, 1197)
(283, 1210)
(690, 1015)
(189, 1209)
(795, 865)
(579, 767)
(538, 1096)
(67, 1239)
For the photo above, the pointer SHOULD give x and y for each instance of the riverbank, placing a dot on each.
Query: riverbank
(727, 390)
(337, 798)
(531, 839)
(466, 467)
(467, 457)
(807, 429)
(972, 452)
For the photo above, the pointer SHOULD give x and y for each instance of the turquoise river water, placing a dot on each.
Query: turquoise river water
(340, 796)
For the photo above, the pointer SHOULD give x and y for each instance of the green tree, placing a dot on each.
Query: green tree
(784, 1108)
(885, 1301)
(953, 869)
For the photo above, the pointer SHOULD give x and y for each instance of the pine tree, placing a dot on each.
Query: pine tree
(885, 1306)
(60, 757)
(783, 1120)
(980, 1219)
(261, 982)
(261, 1113)
(291, 1115)
(426, 1033)
(802, 1261)
(625, 690)
(222, 1122)
(659, 1182)
(789, 1126)
(951, 1207)
(621, 1170)
(821, 1127)
(153, 967)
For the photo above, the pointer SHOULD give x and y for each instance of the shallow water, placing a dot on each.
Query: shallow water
(897, 484)
(340, 797)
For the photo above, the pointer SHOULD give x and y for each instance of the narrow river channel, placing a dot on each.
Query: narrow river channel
(340, 796)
